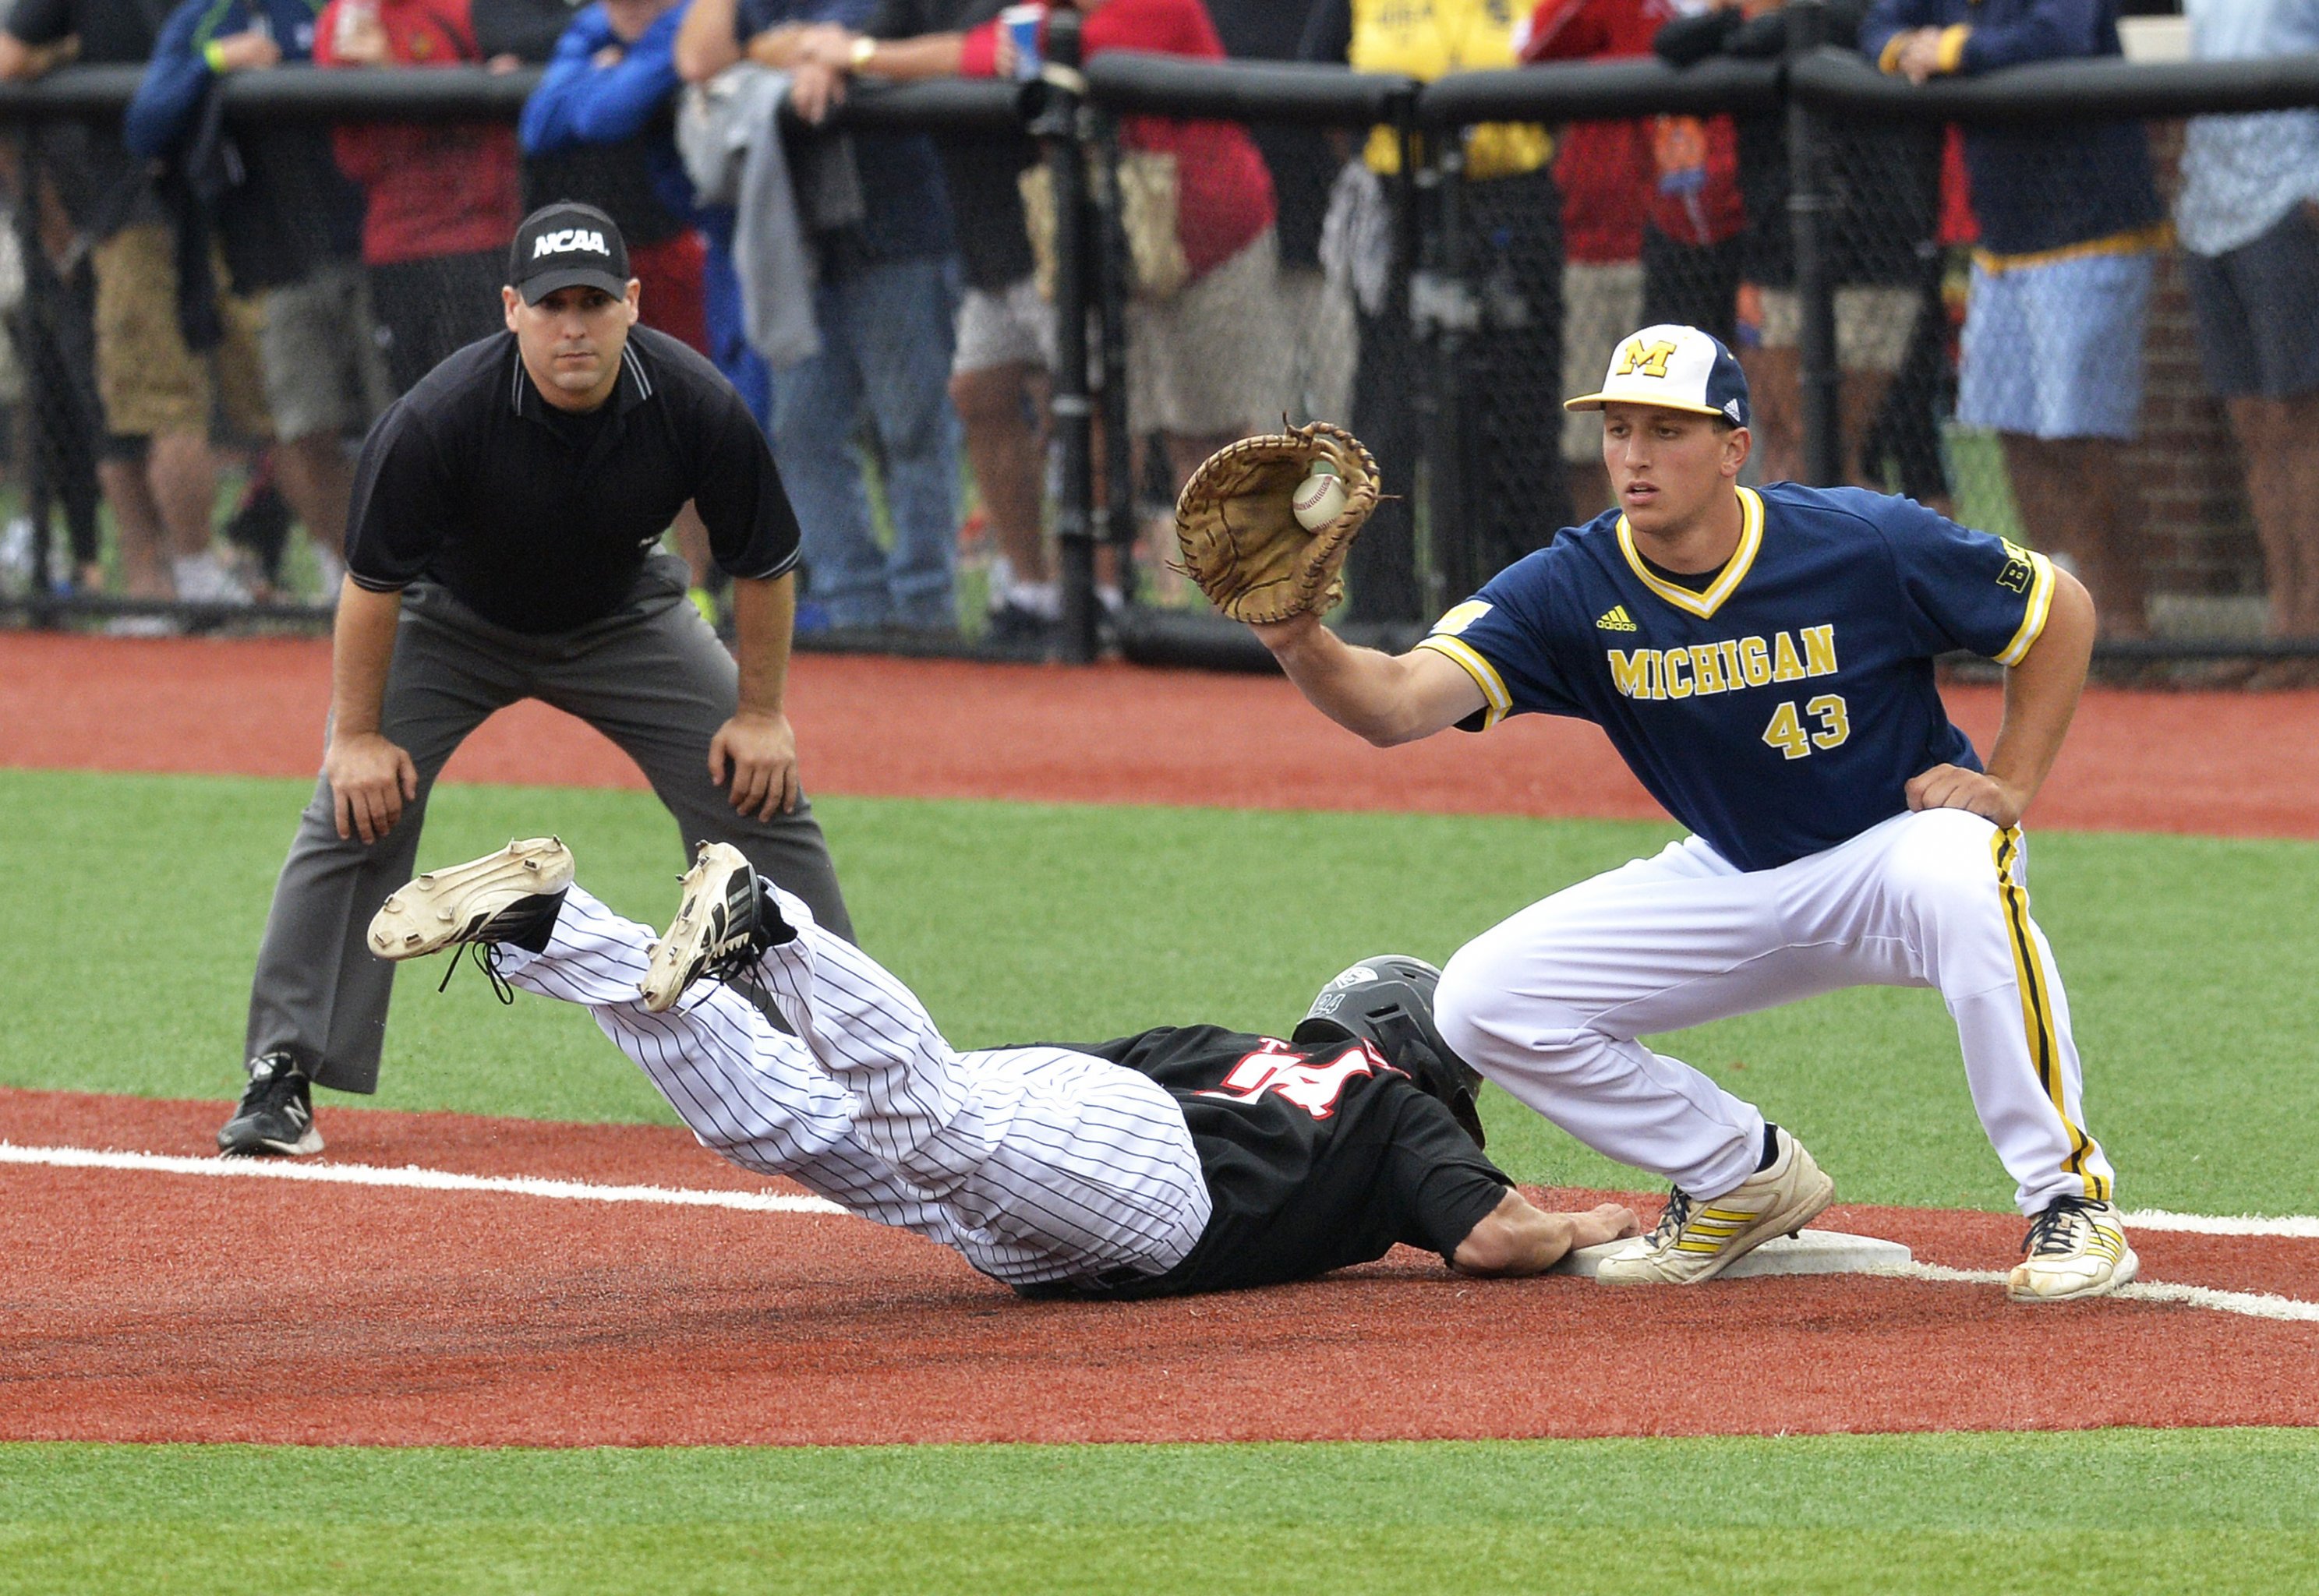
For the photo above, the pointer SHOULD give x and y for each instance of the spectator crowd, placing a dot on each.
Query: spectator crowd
(881, 300)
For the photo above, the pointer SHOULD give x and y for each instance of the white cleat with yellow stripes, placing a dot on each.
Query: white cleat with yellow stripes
(1698, 1240)
(2075, 1249)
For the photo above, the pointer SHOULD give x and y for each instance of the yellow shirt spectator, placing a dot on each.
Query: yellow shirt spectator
(1427, 39)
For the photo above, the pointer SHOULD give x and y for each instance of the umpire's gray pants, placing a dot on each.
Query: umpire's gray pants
(651, 676)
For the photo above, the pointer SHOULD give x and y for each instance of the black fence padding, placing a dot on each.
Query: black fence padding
(1205, 641)
(1454, 370)
(1300, 94)
(2060, 91)
(1593, 90)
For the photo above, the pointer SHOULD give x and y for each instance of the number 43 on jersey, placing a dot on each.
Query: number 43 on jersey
(1789, 735)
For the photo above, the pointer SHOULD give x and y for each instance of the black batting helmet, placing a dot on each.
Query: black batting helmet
(1387, 1000)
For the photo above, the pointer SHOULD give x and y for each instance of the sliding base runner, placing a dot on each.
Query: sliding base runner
(1182, 1160)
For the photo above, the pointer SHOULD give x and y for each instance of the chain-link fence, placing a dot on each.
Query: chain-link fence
(2130, 310)
(1971, 293)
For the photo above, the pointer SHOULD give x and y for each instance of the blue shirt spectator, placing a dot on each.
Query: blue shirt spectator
(2240, 174)
(180, 72)
(904, 196)
(579, 102)
(2249, 221)
(319, 212)
(2050, 187)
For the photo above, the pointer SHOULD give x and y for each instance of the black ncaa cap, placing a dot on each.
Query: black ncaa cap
(567, 245)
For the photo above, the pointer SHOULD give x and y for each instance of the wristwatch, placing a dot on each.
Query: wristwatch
(858, 58)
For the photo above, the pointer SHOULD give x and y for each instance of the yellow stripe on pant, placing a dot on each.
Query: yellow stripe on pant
(2038, 1006)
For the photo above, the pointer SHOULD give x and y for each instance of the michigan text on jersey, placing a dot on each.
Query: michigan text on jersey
(1727, 666)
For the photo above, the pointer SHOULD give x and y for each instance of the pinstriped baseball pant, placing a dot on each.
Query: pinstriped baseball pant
(651, 676)
(1550, 1003)
(1036, 1164)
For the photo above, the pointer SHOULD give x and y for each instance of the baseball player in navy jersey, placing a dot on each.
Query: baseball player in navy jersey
(1763, 660)
(1178, 1160)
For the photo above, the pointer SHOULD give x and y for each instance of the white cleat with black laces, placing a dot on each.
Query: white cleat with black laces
(2075, 1249)
(724, 923)
(511, 895)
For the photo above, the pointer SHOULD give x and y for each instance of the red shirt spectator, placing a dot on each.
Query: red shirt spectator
(1223, 189)
(1681, 172)
(445, 189)
(1958, 223)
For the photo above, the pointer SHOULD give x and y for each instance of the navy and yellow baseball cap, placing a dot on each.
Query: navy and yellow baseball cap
(567, 245)
(1675, 368)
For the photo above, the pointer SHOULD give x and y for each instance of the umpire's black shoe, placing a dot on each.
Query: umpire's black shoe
(277, 1114)
(726, 921)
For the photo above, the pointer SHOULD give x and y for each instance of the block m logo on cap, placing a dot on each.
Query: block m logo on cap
(1671, 367)
(1649, 360)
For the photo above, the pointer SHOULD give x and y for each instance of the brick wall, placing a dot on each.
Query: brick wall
(2200, 538)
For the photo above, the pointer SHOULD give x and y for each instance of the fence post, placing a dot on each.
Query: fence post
(1443, 315)
(1809, 206)
(1115, 517)
(1060, 124)
(34, 322)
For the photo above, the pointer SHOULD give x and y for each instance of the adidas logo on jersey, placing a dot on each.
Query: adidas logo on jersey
(1615, 619)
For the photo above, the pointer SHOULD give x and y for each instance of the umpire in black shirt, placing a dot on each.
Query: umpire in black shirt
(500, 546)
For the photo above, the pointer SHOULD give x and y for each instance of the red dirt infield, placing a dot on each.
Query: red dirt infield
(2217, 765)
(201, 1310)
(142, 1305)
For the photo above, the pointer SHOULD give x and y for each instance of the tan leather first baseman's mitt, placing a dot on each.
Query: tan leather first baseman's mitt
(1241, 521)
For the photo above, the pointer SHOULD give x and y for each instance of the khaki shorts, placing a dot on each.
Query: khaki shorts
(1873, 325)
(1601, 303)
(1324, 345)
(149, 380)
(1213, 359)
(325, 373)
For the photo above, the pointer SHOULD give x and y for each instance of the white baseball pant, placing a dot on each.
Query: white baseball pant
(1036, 1164)
(1549, 1003)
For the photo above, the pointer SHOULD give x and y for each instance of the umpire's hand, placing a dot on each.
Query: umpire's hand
(371, 778)
(760, 750)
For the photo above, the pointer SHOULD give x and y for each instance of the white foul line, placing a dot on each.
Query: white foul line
(2255, 1304)
(412, 1178)
(416, 1179)
(2299, 1226)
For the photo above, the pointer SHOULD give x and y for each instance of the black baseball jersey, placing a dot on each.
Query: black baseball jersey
(537, 520)
(1317, 1156)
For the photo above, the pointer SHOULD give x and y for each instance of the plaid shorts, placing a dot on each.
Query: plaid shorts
(2053, 348)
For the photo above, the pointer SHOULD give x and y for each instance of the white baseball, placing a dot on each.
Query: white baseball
(1320, 498)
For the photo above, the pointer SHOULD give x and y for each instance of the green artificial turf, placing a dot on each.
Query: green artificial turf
(2115, 1510)
(135, 905)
